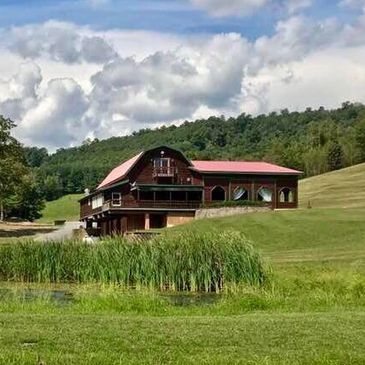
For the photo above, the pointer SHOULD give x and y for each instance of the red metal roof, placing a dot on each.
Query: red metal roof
(205, 166)
(120, 171)
(252, 167)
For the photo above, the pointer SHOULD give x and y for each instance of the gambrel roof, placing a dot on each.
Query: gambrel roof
(211, 167)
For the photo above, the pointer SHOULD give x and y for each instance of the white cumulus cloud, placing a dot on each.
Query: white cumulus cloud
(64, 93)
(58, 41)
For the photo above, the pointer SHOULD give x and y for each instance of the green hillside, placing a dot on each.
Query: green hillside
(337, 189)
(66, 208)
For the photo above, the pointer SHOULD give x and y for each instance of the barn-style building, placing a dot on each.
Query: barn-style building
(161, 187)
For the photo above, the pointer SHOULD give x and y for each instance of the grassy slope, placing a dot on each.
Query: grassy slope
(66, 207)
(300, 235)
(338, 189)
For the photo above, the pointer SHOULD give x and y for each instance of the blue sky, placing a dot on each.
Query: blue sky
(174, 16)
(77, 69)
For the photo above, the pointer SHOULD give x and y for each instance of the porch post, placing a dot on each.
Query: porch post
(147, 221)
(253, 195)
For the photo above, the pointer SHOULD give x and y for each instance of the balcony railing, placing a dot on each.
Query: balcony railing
(153, 204)
(164, 171)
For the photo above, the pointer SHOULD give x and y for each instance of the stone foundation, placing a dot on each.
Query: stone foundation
(175, 219)
(227, 211)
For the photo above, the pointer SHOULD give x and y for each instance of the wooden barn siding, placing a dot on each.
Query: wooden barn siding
(143, 171)
(291, 183)
(252, 183)
(85, 208)
(119, 224)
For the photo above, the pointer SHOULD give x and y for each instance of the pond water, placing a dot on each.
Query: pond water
(185, 299)
(64, 297)
(58, 296)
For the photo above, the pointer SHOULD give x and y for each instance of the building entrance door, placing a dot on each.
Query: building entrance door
(158, 220)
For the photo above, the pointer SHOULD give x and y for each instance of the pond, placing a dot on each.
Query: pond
(64, 297)
(27, 294)
(187, 299)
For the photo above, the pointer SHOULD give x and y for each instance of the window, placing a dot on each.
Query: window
(117, 199)
(162, 166)
(162, 162)
(286, 196)
(240, 193)
(218, 194)
(264, 195)
(97, 201)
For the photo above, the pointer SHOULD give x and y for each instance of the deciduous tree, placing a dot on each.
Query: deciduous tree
(12, 164)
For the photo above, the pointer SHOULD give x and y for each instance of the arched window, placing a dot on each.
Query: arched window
(240, 193)
(264, 195)
(218, 194)
(286, 196)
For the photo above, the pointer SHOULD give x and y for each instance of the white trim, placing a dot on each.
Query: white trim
(265, 187)
(292, 191)
(211, 193)
(117, 200)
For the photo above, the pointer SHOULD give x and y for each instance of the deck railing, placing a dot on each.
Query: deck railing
(153, 204)
(164, 171)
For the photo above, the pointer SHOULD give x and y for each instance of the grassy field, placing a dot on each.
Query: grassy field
(285, 339)
(338, 189)
(301, 235)
(311, 312)
(66, 208)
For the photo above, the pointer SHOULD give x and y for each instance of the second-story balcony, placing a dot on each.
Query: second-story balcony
(152, 204)
(164, 171)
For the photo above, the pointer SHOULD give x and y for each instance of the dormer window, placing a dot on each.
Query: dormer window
(163, 167)
(162, 162)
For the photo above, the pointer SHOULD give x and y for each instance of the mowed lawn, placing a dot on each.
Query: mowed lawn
(280, 339)
(65, 208)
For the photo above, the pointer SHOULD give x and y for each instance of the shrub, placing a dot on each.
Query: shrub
(233, 203)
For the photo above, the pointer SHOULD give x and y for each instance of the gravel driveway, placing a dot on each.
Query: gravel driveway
(61, 234)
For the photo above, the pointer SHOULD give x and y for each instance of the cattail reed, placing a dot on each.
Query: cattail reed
(189, 261)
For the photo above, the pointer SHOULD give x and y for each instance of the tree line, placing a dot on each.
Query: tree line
(313, 141)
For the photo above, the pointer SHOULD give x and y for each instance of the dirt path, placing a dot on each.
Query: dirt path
(13, 231)
(61, 234)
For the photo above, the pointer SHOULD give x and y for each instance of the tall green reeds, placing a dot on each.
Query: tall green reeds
(189, 261)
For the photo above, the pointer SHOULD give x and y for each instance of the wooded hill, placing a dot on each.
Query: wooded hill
(314, 141)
